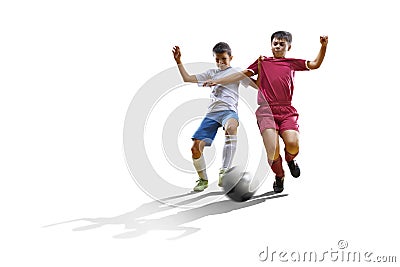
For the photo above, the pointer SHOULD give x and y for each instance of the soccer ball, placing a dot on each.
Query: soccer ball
(236, 184)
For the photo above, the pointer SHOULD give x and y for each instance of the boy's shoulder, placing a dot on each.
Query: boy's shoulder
(215, 71)
(285, 59)
(293, 63)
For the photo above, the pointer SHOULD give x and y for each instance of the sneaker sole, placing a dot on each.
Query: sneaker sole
(200, 190)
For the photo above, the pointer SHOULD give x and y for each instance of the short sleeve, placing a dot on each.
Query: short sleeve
(245, 82)
(299, 65)
(202, 77)
(254, 67)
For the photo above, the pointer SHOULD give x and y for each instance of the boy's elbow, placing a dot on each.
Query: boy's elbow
(313, 65)
(248, 73)
(190, 79)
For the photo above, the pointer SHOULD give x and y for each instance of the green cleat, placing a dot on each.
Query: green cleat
(201, 185)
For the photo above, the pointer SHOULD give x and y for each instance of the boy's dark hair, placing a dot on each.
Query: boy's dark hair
(222, 47)
(282, 35)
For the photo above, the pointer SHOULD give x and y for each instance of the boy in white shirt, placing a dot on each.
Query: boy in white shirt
(222, 112)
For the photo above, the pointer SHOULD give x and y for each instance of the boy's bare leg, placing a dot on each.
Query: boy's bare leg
(291, 140)
(231, 126)
(198, 159)
(271, 143)
(199, 164)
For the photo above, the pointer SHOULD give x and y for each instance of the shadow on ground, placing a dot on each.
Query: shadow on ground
(136, 225)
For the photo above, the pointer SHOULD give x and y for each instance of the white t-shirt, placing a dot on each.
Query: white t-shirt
(223, 97)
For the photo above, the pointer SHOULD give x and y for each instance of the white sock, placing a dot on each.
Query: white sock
(229, 151)
(200, 166)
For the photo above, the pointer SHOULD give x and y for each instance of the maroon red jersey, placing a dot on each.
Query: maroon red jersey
(276, 83)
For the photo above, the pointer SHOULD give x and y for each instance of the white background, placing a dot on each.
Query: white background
(68, 71)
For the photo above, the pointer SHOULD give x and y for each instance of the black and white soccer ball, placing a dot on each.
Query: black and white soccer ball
(237, 184)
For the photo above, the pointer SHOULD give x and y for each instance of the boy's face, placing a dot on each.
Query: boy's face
(279, 47)
(223, 60)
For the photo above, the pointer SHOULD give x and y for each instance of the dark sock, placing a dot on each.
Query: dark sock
(290, 157)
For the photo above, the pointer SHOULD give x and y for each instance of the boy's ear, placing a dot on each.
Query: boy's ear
(290, 46)
(230, 58)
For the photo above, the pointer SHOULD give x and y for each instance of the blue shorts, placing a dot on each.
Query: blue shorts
(210, 124)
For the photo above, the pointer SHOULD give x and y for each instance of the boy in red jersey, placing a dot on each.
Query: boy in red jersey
(275, 115)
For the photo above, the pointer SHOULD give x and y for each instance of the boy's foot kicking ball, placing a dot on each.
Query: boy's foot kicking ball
(221, 175)
(201, 185)
(294, 168)
(278, 184)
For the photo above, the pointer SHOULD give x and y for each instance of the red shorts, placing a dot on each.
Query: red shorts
(278, 117)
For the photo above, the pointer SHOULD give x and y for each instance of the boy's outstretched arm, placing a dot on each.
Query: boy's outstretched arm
(253, 83)
(176, 51)
(318, 60)
(230, 79)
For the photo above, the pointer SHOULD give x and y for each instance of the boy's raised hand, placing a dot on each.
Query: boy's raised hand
(176, 51)
(323, 40)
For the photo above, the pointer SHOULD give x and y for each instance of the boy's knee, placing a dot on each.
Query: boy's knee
(290, 139)
(196, 153)
(230, 129)
(292, 143)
